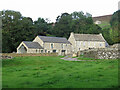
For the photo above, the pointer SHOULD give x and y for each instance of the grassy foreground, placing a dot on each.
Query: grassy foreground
(53, 72)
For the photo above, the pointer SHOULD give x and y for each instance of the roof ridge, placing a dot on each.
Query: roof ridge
(53, 39)
(26, 41)
(85, 34)
(51, 36)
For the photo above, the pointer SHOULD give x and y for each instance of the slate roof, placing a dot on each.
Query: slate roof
(34, 45)
(54, 39)
(89, 37)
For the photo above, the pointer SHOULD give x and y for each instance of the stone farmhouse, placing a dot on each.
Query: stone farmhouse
(86, 41)
(62, 46)
(45, 44)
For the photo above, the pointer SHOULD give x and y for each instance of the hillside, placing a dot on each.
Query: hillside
(103, 21)
(105, 18)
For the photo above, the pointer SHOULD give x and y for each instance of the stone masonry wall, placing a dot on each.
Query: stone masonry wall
(112, 52)
(10, 55)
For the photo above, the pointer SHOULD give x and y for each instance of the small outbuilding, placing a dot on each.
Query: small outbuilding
(29, 47)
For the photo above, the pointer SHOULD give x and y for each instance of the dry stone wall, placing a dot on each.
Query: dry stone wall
(10, 55)
(108, 54)
(112, 52)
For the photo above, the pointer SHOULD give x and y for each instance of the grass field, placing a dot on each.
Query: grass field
(105, 25)
(53, 72)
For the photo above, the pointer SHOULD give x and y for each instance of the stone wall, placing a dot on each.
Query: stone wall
(27, 54)
(112, 52)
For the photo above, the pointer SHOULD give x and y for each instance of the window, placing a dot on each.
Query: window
(45, 51)
(54, 51)
(61, 45)
(84, 44)
(80, 44)
(63, 51)
(36, 50)
(41, 51)
(51, 45)
(100, 44)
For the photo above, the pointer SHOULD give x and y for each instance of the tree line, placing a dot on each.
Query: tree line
(16, 28)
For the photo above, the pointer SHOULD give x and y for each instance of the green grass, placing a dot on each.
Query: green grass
(105, 25)
(53, 72)
(81, 58)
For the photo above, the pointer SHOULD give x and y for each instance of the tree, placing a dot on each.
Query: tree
(115, 24)
(62, 25)
(15, 29)
(41, 27)
(75, 22)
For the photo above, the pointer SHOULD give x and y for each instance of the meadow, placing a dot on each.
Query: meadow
(53, 72)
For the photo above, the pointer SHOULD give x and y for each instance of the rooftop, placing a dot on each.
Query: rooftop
(54, 39)
(89, 37)
(30, 44)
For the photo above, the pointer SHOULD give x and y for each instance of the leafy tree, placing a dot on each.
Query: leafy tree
(15, 29)
(62, 25)
(115, 24)
(41, 27)
(106, 33)
(75, 22)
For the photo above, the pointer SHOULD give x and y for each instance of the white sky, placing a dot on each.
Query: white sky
(52, 8)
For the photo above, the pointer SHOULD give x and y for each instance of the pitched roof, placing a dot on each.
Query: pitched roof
(54, 39)
(30, 44)
(89, 37)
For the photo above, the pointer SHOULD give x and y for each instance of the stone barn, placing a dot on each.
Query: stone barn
(46, 44)
(86, 41)
(29, 47)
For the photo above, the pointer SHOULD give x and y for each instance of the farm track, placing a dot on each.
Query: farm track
(69, 58)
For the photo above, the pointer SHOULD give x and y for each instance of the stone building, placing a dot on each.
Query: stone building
(29, 47)
(86, 41)
(45, 44)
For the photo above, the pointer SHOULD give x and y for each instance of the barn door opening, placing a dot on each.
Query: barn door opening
(63, 52)
(22, 49)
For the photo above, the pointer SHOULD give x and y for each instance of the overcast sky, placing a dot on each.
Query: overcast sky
(52, 8)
